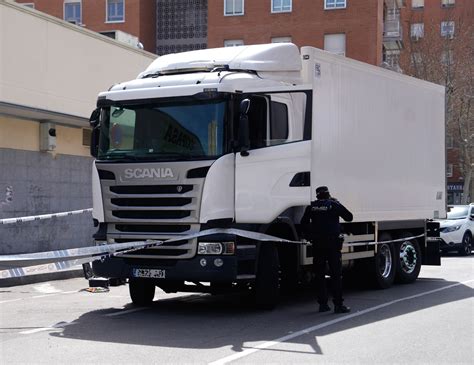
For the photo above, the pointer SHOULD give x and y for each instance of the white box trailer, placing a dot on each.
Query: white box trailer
(239, 138)
(377, 138)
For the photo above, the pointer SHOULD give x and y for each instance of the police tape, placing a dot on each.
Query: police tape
(16, 263)
(103, 251)
(43, 216)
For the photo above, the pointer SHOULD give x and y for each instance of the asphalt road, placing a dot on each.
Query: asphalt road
(430, 322)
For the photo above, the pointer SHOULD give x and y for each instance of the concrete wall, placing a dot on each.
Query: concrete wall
(39, 183)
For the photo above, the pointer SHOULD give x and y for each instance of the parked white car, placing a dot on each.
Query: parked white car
(456, 231)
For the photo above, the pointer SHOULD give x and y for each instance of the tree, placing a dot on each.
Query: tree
(443, 52)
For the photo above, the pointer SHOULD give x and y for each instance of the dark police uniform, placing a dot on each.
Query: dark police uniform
(321, 221)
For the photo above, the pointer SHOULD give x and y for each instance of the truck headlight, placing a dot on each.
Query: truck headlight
(452, 228)
(216, 248)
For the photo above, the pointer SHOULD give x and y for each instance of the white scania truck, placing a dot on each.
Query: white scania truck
(239, 138)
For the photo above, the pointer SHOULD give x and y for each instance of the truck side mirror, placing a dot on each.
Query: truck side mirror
(244, 135)
(94, 122)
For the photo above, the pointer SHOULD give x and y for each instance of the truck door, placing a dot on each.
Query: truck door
(263, 179)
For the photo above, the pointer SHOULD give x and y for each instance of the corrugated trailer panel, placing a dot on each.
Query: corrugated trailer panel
(378, 139)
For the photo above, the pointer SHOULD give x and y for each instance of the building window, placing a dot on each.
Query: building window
(417, 30)
(281, 6)
(233, 7)
(417, 4)
(447, 57)
(335, 43)
(449, 170)
(447, 29)
(447, 3)
(281, 40)
(233, 42)
(115, 11)
(72, 11)
(449, 142)
(335, 4)
(416, 59)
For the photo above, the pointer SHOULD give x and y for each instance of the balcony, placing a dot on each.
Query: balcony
(392, 29)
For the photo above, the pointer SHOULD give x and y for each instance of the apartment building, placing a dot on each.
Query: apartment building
(353, 28)
(128, 21)
(439, 47)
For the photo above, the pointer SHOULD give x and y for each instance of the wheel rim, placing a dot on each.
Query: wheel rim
(385, 262)
(467, 244)
(408, 257)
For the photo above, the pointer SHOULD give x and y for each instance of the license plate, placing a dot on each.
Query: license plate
(149, 273)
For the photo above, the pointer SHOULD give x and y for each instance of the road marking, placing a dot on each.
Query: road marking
(40, 296)
(43, 329)
(10, 300)
(46, 288)
(265, 345)
(125, 312)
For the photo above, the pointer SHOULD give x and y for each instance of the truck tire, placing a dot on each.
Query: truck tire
(141, 292)
(383, 264)
(267, 286)
(408, 260)
(466, 244)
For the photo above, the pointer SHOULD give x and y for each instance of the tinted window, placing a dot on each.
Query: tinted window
(278, 122)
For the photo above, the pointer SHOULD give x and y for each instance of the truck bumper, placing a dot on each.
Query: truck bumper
(199, 268)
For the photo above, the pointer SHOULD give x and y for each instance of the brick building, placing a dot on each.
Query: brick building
(129, 21)
(439, 47)
(352, 28)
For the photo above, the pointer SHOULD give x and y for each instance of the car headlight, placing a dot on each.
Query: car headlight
(452, 228)
(216, 248)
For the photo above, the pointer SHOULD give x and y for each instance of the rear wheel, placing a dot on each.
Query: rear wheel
(383, 264)
(267, 288)
(142, 292)
(408, 259)
(466, 246)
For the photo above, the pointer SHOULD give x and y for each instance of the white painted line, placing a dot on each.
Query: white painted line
(265, 345)
(43, 329)
(41, 296)
(125, 312)
(10, 300)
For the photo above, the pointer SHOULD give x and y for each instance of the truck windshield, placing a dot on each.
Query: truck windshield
(183, 129)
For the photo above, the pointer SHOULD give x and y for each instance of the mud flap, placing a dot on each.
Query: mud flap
(432, 255)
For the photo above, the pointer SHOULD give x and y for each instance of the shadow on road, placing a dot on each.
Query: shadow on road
(208, 322)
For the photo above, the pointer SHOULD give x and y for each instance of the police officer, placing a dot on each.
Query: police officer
(321, 220)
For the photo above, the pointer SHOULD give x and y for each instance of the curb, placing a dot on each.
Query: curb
(33, 279)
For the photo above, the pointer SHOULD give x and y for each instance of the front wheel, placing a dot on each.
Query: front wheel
(466, 245)
(141, 292)
(408, 260)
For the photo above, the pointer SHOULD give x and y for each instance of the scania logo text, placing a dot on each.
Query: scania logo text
(142, 173)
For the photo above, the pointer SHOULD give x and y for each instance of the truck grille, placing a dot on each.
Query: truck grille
(153, 208)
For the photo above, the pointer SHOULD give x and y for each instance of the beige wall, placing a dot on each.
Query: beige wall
(52, 65)
(19, 134)
(25, 135)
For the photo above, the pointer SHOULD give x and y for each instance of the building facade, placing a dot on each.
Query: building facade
(181, 25)
(348, 27)
(439, 47)
(129, 21)
(45, 104)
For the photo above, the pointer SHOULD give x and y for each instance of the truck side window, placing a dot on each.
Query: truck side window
(278, 123)
(258, 118)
